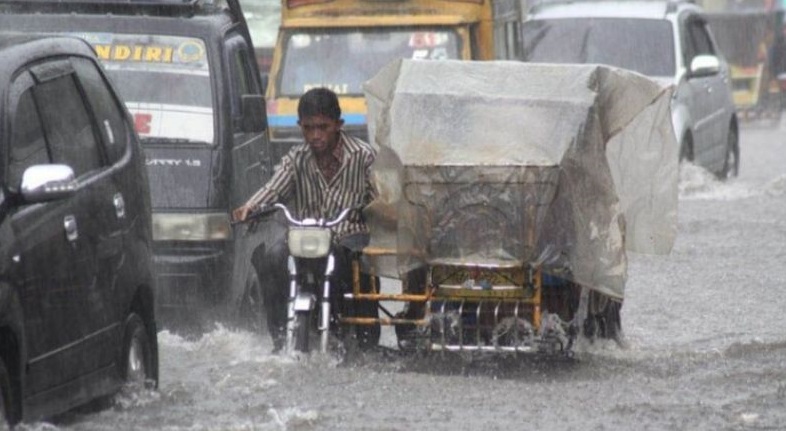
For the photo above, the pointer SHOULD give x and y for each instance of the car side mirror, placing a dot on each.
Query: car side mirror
(704, 65)
(254, 115)
(41, 183)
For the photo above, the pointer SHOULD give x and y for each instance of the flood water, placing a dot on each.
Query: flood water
(706, 348)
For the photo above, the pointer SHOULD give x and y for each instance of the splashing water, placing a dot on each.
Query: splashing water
(696, 183)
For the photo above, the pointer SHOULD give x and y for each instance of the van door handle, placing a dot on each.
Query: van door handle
(69, 223)
(120, 205)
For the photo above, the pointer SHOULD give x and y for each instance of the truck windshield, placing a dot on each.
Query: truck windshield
(165, 82)
(643, 45)
(343, 60)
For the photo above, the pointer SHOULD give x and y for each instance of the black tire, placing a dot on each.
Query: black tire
(731, 164)
(612, 321)
(367, 335)
(252, 307)
(8, 415)
(302, 331)
(686, 149)
(137, 363)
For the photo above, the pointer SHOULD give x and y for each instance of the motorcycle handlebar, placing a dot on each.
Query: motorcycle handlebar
(320, 222)
(255, 215)
(264, 211)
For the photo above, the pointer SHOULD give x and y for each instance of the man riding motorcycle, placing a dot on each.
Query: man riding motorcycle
(318, 179)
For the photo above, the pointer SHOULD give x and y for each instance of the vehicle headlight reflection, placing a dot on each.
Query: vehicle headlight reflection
(191, 227)
(309, 242)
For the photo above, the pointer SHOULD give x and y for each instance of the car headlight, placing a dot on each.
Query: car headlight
(191, 227)
(309, 242)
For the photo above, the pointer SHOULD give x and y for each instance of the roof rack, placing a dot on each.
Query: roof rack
(121, 7)
(671, 6)
(537, 5)
(176, 8)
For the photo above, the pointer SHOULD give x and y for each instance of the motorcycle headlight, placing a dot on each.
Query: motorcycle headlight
(309, 242)
(191, 227)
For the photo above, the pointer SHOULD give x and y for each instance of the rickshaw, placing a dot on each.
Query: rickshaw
(509, 194)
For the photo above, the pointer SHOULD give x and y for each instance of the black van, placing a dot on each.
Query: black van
(187, 72)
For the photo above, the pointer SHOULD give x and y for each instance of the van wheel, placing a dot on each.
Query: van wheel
(7, 399)
(731, 166)
(137, 359)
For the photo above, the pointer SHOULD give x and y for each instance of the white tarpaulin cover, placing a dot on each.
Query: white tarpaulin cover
(488, 163)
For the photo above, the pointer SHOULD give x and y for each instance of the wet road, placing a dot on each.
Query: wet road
(705, 327)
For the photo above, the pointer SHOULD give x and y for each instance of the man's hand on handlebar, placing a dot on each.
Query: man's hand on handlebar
(240, 214)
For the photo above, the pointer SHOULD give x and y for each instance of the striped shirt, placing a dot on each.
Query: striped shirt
(297, 178)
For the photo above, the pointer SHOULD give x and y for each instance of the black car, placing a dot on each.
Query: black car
(77, 313)
(187, 73)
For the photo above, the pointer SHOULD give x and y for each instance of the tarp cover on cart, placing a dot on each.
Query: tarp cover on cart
(497, 163)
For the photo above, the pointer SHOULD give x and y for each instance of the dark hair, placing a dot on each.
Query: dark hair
(319, 101)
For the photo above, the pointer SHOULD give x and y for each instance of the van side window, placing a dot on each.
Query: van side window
(240, 71)
(28, 146)
(68, 128)
(112, 124)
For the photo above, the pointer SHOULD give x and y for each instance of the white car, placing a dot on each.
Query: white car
(669, 41)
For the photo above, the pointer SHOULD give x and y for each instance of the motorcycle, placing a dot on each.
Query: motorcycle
(315, 307)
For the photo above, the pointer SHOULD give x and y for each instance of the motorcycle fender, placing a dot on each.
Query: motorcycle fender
(304, 302)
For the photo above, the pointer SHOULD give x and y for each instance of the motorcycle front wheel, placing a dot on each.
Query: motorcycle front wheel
(302, 331)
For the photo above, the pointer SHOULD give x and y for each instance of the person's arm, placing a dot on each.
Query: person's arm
(277, 189)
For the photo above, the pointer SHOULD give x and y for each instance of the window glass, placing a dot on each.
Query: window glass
(263, 18)
(28, 146)
(68, 128)
(700, 39)
(241, 73)
(164, 81)
(643, 45)
(106, 109)
(343, 60)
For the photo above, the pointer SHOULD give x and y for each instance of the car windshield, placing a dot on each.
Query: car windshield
(343, 60)
(165, 82)
(643, 45)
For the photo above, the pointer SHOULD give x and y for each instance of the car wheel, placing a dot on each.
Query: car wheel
(137, 354)
(7, 403)
(731, 166)
(686, 149)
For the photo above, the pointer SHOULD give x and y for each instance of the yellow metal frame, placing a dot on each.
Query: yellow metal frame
(529, 294)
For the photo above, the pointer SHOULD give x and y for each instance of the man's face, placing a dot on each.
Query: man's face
(320, 132)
